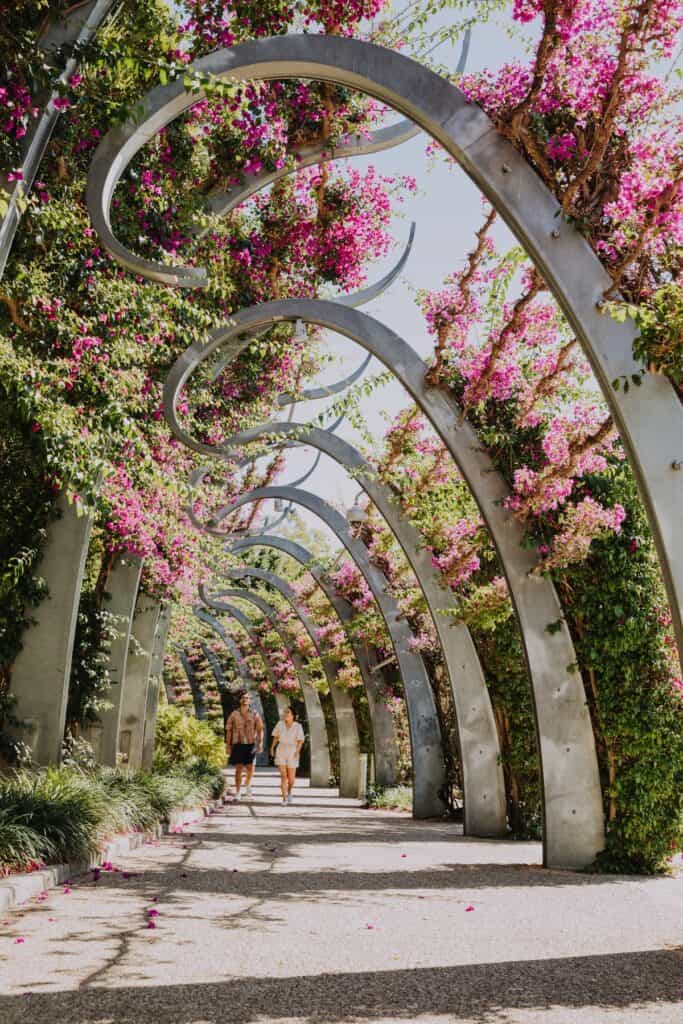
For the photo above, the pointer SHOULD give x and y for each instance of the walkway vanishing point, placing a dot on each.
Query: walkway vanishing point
(323, 912)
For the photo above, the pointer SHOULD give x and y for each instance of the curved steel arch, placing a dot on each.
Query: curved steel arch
(221, 203)
(347, 729)
(384, 733)
(195, 689)
(649, 418)
(247, 625)
(429, 774)
(572, 798)
(480, 754)
(358, 298)
(321, 769)
(355, 299)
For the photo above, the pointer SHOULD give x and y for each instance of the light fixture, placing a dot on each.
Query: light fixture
(356, 515)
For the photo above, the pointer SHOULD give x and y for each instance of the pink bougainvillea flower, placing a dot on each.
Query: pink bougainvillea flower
(468, 909)
(67, 890)
(152, 912)
(151, 924)
(404, 854)
(370, 927)
(19, 941)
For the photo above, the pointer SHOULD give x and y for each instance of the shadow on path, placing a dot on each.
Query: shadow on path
(479, 993)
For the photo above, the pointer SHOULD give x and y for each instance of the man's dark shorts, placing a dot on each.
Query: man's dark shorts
(243, 753)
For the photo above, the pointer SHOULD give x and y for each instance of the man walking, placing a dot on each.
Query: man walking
(243, 740)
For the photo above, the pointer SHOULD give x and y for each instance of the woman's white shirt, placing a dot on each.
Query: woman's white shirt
(288, 737)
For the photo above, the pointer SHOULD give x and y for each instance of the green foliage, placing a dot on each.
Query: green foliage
(59, 804)
(182, 740)
(89, 683)
(617, 612)
(67, 814)
(26, 507)
(503, 662)
(390, 798)
(21, 847)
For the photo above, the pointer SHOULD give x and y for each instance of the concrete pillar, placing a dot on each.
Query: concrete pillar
(41, 672)
(155, 679)
(349, 741)
(138, 670)
(122, 591)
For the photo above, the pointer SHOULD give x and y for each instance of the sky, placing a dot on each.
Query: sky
(447, 212)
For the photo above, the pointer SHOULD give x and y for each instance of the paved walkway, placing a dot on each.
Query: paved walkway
(322, 912)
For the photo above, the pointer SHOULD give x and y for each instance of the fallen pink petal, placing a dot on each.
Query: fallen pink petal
(19, 941)
(468, 909)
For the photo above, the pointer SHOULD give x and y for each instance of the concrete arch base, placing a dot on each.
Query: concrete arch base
(40, 677)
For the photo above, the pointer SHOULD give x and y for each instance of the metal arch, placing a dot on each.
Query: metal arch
(221, 203)
(384, 733)
(312, 394)
(195, 689)
(243, 670)
(354, 299)
(429, 775)
(321, 769)
(347, 729)
(572, 798)
(215, 666)
(75, 27)
(649, 418)
(480, 754)
(247, 625)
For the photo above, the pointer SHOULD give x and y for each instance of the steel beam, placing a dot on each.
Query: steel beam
(74, 28)
(195, 688)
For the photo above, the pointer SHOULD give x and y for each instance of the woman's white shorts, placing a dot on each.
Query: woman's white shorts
(286, 760)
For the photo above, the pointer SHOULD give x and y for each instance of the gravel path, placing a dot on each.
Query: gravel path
(322, 912)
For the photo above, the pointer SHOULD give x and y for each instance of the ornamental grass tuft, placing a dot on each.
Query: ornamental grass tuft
(66, 814)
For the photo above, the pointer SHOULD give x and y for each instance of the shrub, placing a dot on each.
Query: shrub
(20, 846)
(182, 740)
(61, 806)
(66, 814)
(391, 798)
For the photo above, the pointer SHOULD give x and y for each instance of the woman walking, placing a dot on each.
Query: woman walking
(243, 740)
(288, 738)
